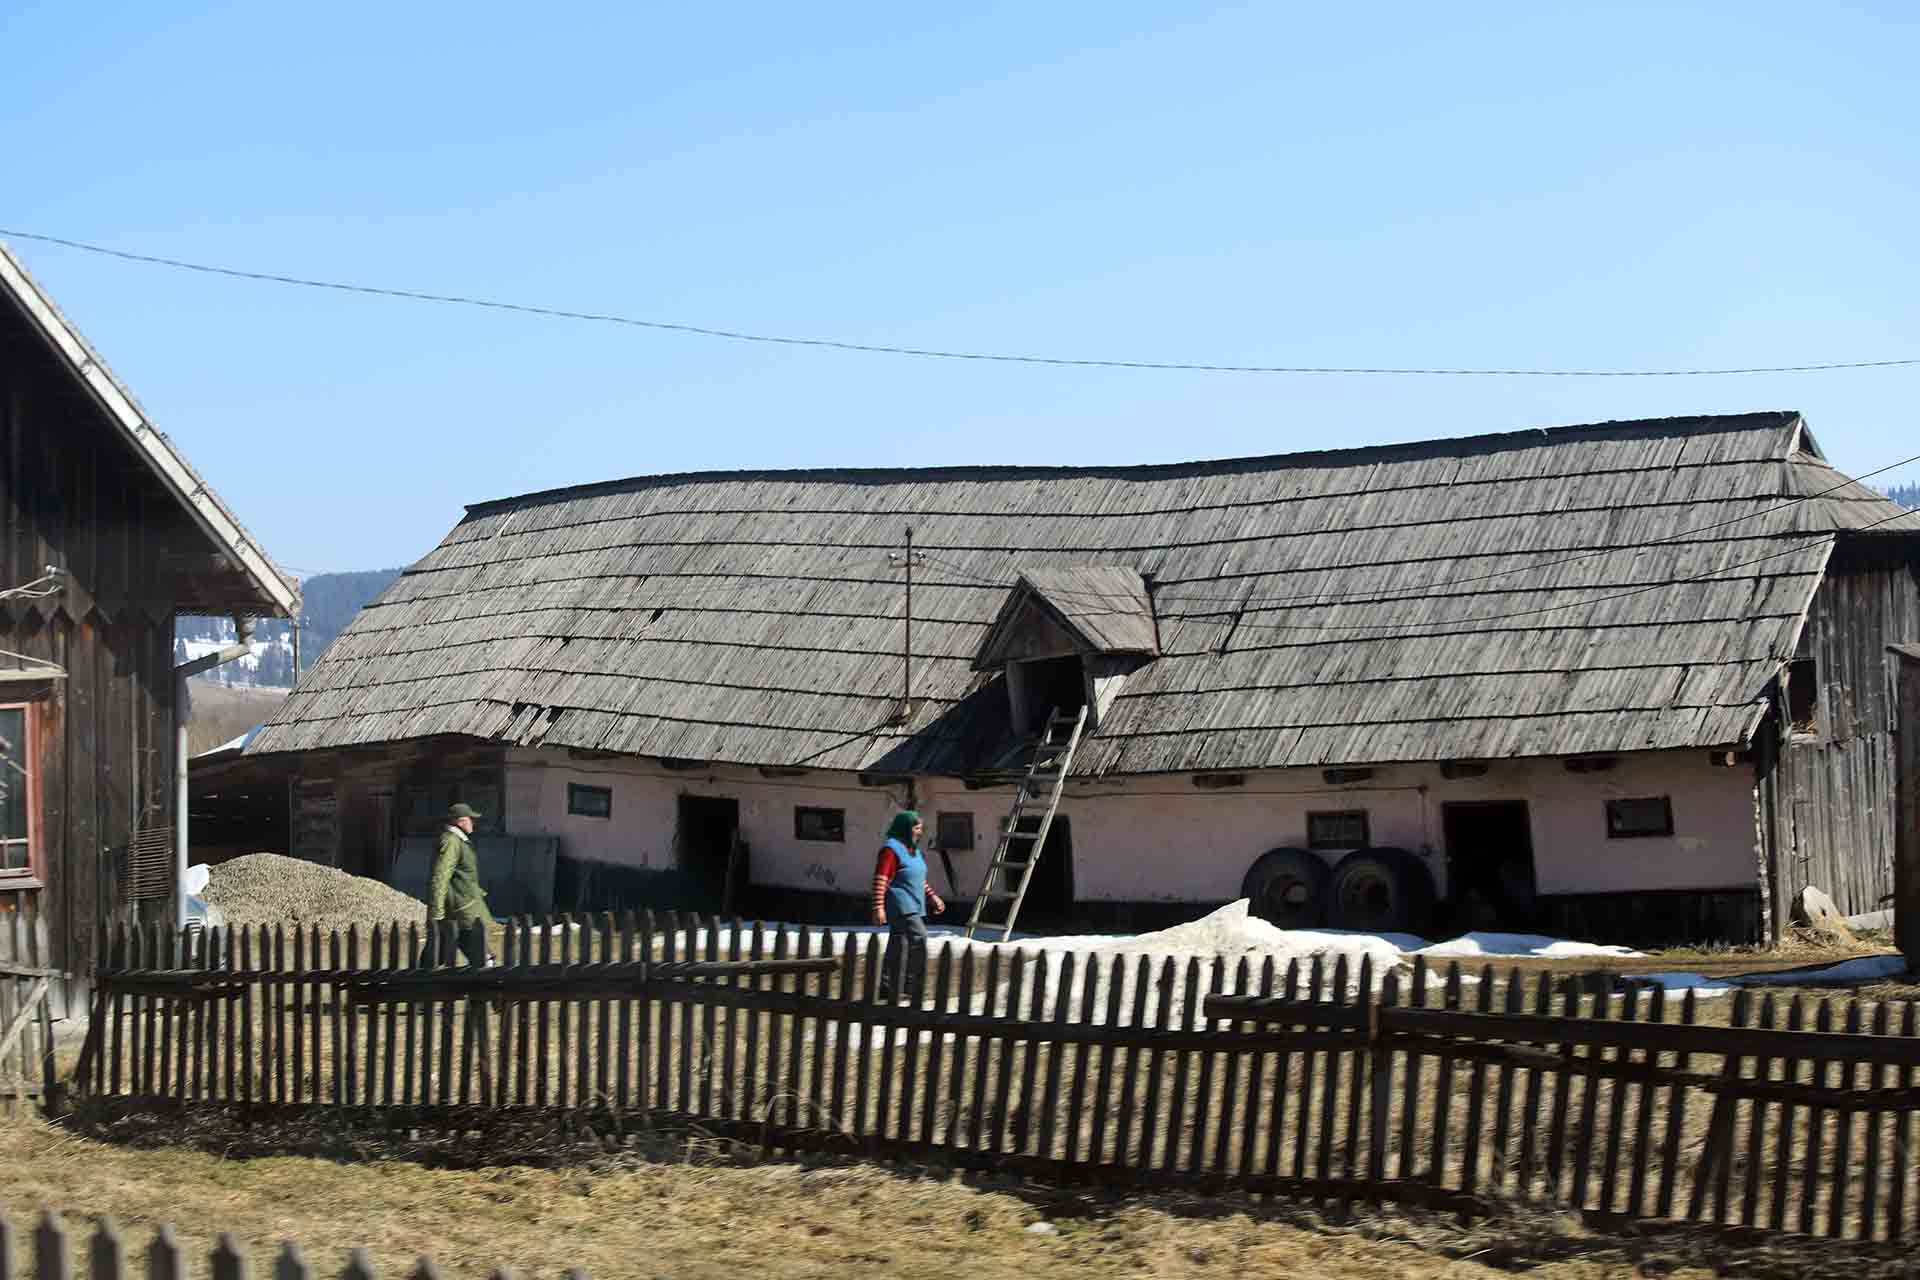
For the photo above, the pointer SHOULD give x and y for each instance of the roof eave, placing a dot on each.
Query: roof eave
(276, 594)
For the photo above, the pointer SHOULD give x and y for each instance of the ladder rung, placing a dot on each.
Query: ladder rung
(1000, 895)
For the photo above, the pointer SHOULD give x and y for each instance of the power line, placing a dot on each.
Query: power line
(930, 353)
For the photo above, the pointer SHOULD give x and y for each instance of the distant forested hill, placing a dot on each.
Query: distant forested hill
(1907, 495)
(331, 601)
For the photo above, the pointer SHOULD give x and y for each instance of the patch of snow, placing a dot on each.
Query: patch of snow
(1520, 944)
(1702, 987)
(1863, 969)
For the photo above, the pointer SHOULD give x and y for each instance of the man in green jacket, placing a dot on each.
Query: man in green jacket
(455, 901)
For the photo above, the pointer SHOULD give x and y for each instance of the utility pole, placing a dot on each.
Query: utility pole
(294, 624)
(908, 560)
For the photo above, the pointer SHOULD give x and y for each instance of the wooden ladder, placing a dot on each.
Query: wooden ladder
(997, 905)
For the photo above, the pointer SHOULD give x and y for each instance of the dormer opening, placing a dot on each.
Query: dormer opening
(1043, 687)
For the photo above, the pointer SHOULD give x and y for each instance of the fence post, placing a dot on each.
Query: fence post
(163, 1256)
(106, 1260)
(229, 1260)
(290, 1265)
(51, 1259)
(1380, 1067)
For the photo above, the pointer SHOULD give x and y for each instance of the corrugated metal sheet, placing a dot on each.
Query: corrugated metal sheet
(1606, 588)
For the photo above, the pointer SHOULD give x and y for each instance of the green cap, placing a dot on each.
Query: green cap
(463, 811)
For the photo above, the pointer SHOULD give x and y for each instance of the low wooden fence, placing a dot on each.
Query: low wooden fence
(1310, 1081)
(107, 1257)
(28, 986)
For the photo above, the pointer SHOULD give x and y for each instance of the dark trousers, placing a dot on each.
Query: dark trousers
(904, 971)
(446, 937)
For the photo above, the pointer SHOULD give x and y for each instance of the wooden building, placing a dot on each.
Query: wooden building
(109, 533)
(1626, 680)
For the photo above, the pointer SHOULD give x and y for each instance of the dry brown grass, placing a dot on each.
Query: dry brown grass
(692, 1209)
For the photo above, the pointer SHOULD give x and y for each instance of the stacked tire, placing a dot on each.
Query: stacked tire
(1375, 890)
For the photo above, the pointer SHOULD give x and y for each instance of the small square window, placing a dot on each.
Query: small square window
(589, 802)
(1643, 816)
(1346, 829)
(955, 831)
(827, 825)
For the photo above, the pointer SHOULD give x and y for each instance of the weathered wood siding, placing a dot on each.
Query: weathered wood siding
(73, 495)
(1827, 810)
(1906, 851)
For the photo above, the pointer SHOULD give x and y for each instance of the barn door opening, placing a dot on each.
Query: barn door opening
(706, 840)
(1049, 901)
(1490, 877)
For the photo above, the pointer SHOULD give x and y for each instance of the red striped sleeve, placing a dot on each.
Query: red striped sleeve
(883, 870)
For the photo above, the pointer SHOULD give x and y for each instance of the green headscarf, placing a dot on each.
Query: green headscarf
(901, 828)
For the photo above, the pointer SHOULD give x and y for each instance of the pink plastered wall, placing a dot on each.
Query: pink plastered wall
(646, 808)
(1163, 839)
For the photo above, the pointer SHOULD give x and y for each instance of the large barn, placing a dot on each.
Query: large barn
(1629, 679)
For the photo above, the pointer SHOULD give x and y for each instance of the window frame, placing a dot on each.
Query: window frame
(946, 816)
(1666, 802)
(1366, 829)
(575, 811)
(799, 835)
(30, 876)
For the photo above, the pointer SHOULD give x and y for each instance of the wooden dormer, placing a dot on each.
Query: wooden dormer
(1068, 638)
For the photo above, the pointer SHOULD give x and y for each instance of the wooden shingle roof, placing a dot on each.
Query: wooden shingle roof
(1580, 589)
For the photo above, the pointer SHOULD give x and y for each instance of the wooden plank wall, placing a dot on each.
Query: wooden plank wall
(72, 495)
(1827, 805)
(1906, 920)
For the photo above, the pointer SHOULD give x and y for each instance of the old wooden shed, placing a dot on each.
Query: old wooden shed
(109, 533)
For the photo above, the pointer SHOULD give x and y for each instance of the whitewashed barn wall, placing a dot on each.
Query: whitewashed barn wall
(1163, 840)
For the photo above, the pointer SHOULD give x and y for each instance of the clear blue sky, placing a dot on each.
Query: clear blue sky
(1342, 184)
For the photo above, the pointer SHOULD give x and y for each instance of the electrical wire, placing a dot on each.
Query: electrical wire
(929, 353)
(42, 587)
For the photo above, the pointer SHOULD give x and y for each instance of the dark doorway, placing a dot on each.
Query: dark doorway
(1049, 902)
(1490, 880)
(1054, 685)
(712, 861)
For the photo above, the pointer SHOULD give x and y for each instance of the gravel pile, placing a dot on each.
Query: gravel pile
(266, 888)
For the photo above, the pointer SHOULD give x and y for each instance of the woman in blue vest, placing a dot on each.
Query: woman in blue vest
(901, 897)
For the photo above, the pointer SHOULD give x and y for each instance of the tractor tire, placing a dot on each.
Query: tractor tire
(1381, 890)
(1287, 887)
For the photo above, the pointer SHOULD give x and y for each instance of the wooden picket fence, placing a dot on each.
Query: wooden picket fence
(108, 1258)
(1448, 1090)
(28, 986)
